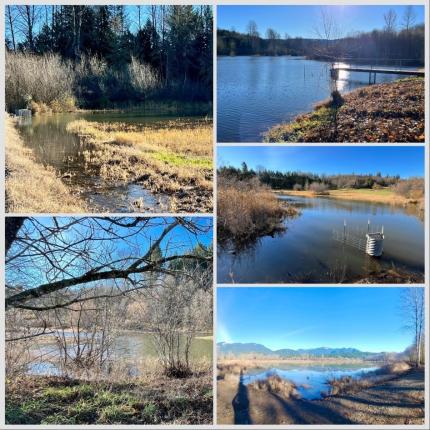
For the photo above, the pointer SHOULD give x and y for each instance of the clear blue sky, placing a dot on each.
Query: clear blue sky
(405, 161)
(369, 319)
(300, 21)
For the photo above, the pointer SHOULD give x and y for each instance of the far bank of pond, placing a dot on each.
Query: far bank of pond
(102, 169)
(308, 250)
(256, 93)
(134, 351)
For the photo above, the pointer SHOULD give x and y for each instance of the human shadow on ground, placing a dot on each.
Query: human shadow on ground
(240, 403)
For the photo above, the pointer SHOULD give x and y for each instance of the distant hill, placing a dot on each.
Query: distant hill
(237, 349)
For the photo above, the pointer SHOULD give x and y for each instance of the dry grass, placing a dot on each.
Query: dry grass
(42, 83)
(175, 160)
(31, 187)
(348, 384)
(247, 209)
(385, 195)
(275, 384)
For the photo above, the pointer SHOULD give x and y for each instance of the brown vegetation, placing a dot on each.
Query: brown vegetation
(276, 384)
(156, 400)
(31, 187)
(392, 399)
(247, 209)
(348, 384)
(174, 160)
(391, 112)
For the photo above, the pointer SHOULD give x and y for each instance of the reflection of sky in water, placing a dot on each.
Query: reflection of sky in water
(256, 93)
(308, 251)
(311, 383)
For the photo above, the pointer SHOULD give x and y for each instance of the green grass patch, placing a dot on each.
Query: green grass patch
(182, 160)
(298, 130)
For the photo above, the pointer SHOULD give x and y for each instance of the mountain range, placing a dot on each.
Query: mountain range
(236, 349)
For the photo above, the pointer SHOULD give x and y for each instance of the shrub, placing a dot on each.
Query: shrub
(297, 187)
(246, 209)
(143, 77)
(31, 78)
(278, 385)
(412, 188)
(319, 188)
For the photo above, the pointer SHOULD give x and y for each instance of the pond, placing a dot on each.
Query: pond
(308, 252)
(256, 93)
(129, 347)
(53, 146)
(311, 381)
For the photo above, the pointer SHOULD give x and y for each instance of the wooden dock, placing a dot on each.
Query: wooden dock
(373, 71)
(381, 70)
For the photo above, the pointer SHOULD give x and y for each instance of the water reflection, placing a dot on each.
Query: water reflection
(306, 251)
(256, 93)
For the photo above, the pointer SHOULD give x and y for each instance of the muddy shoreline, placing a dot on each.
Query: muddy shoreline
(397, 401)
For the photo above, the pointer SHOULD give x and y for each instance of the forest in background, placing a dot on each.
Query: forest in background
(400, 39)
(106, 56)
(305, 180)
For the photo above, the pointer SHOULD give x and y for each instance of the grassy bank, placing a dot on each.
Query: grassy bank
(383, 195)
(247, 210)
(390, 112)
(174, 160)
(30, 186)
(55, 400)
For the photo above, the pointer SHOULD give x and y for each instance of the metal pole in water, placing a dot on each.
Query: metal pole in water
(344, 229)
(368, 225)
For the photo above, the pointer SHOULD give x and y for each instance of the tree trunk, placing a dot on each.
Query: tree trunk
(12, 226)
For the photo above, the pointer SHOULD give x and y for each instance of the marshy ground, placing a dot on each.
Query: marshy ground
(389, 112)
(171, 162)
(399, 400)
(30, 186)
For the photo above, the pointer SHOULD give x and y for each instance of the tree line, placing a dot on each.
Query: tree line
(276, 179)
(400, 39)
(173, 42)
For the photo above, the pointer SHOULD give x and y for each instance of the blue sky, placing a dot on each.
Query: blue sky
(369, 319)
(392, 160)
(178, 241)
(300, 21)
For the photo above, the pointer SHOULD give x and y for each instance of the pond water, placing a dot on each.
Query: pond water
(311, 381)
(307, 251)
(53, 146)
(256, 93)
(130, 347)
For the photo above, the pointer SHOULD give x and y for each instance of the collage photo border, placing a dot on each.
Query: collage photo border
(216, 146)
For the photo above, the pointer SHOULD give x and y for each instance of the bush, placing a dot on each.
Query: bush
(412, 188)
(247, 209)
(319, 188)
(142, 77)
(297, 187)
(33, 80)
(278, 385)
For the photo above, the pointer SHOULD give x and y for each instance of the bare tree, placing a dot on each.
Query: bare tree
(176, 312)
(28, 17)
(414, 313)
(10, 20)
(409, 17)
(390, 19)
(51, 262)
(253, 35)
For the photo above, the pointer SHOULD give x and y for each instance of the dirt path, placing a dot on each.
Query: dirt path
(399, 401)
